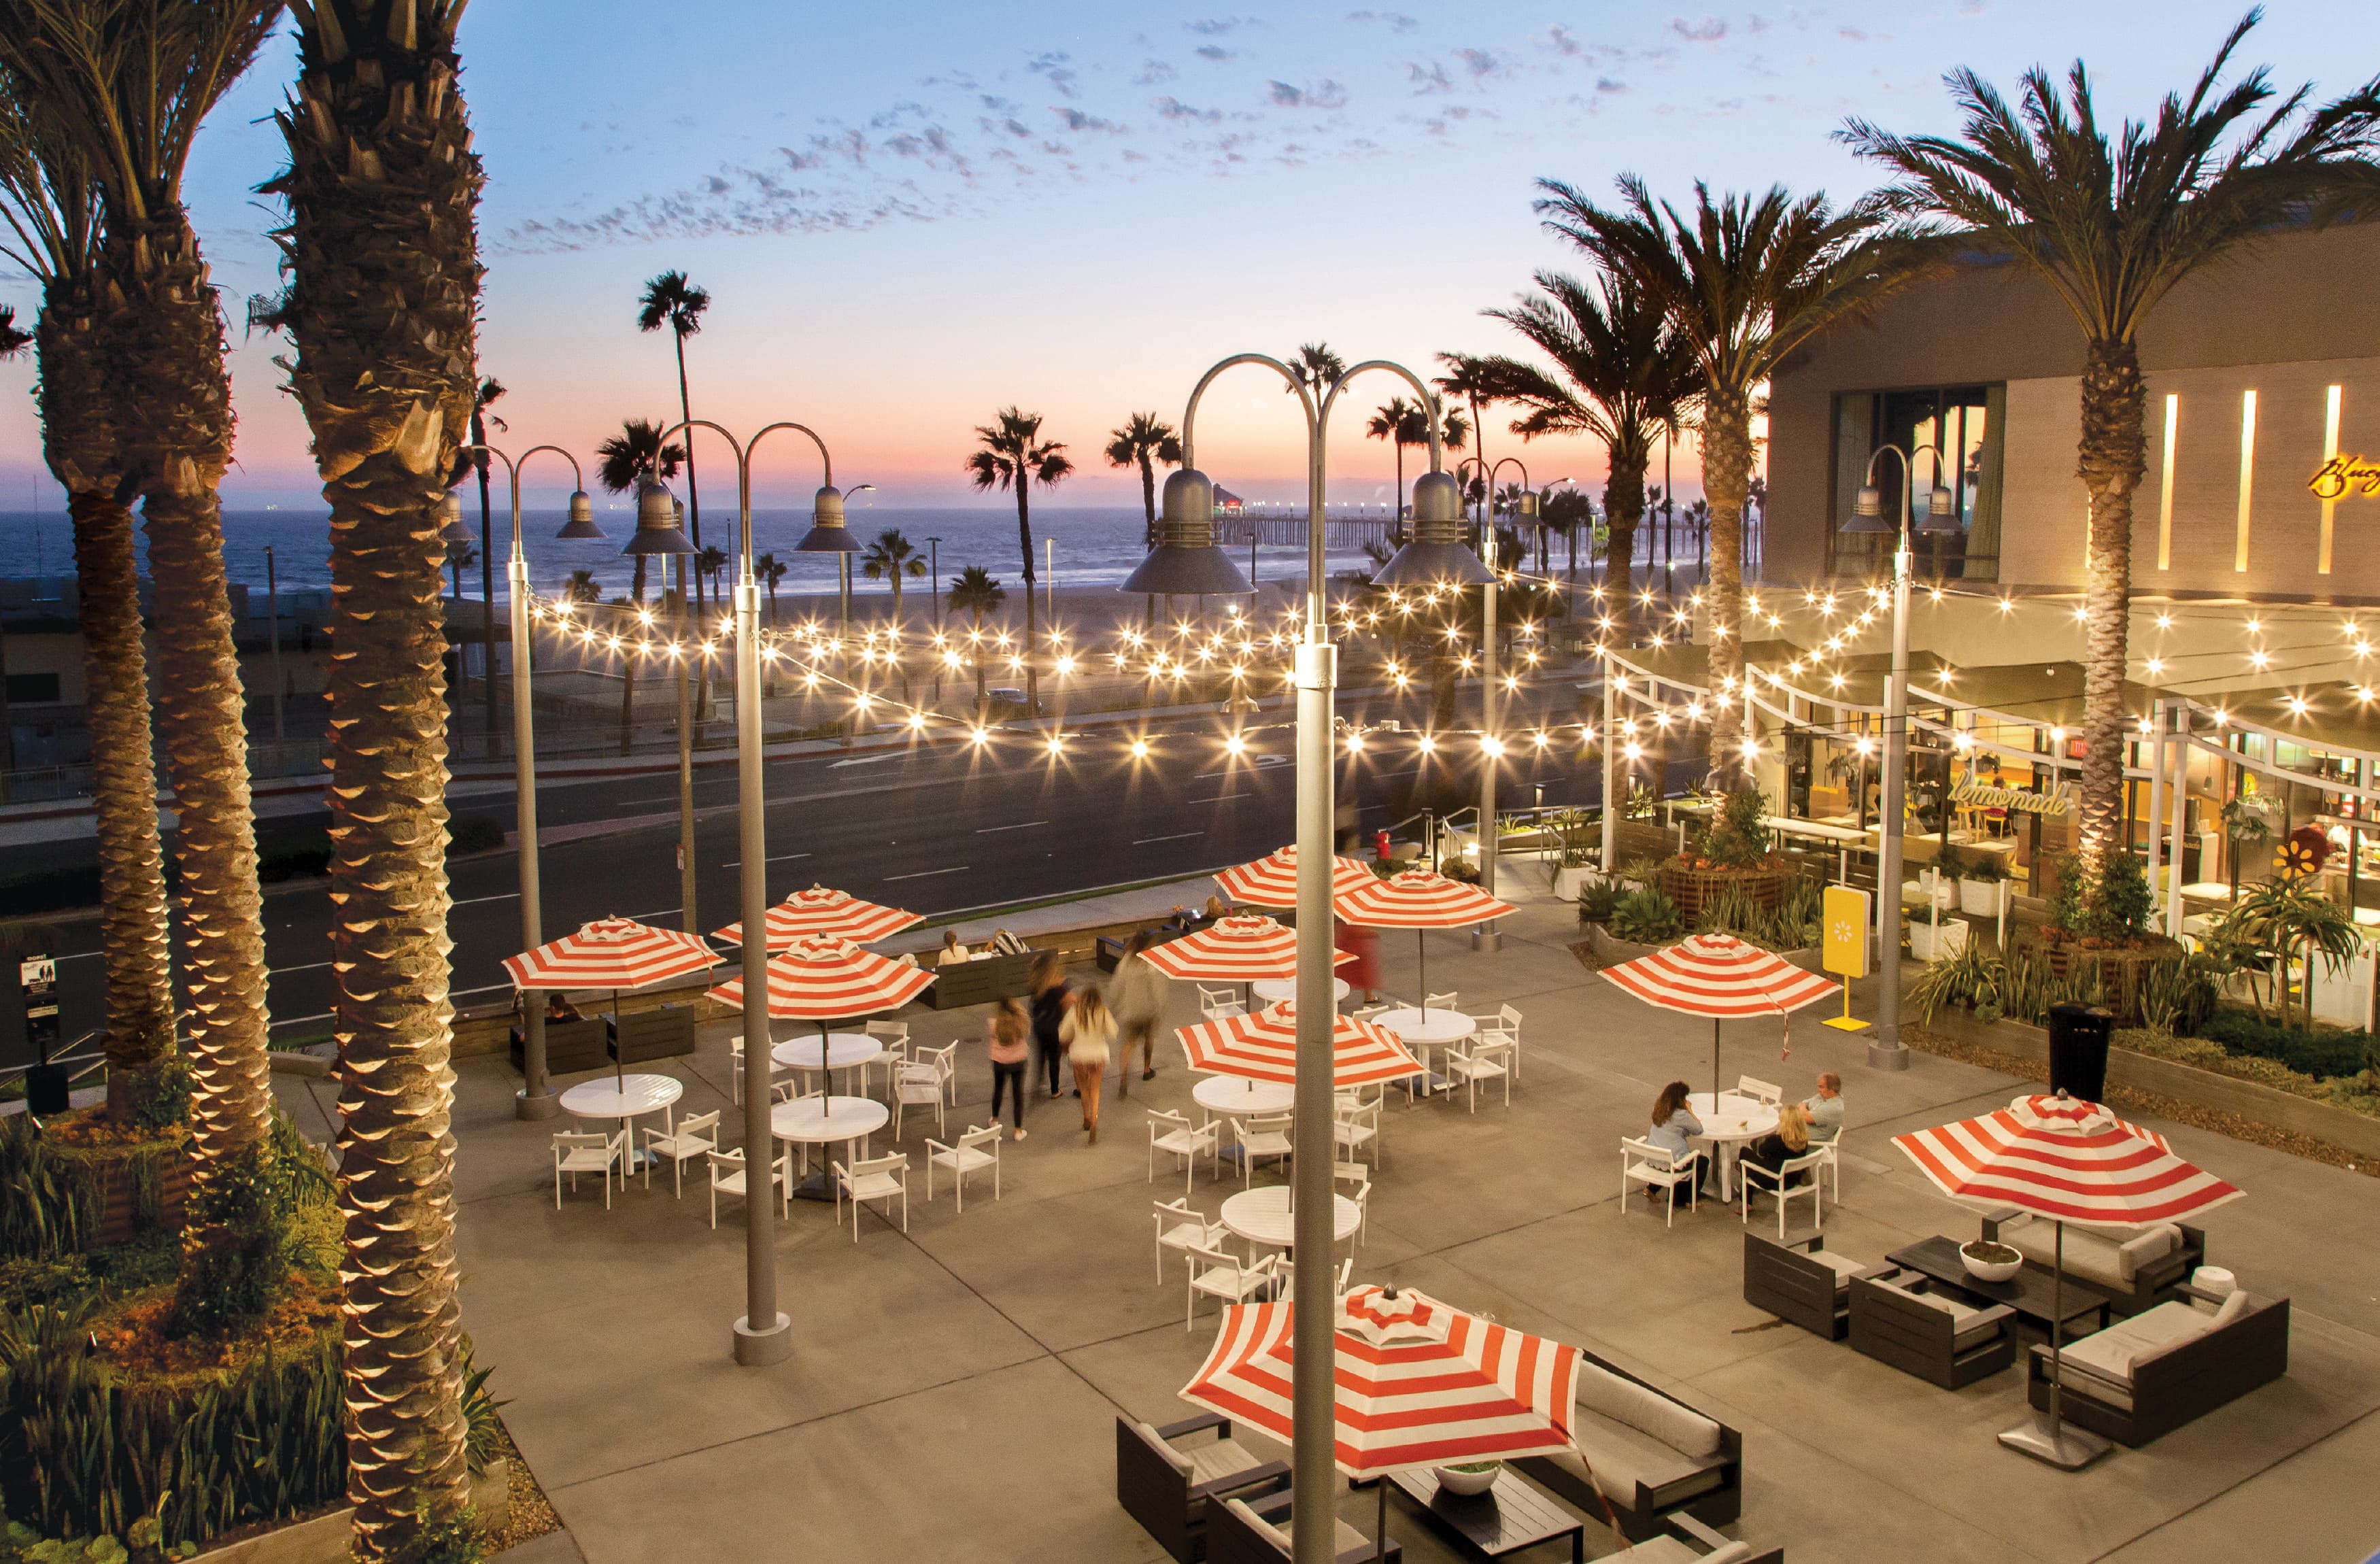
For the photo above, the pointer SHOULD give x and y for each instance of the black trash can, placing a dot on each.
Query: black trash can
(2079, 1035)
(47, 1090)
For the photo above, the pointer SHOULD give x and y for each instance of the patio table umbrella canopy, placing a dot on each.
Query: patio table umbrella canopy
(822, 978)
(823, 910)
(1415, 1383)
(1420, 901)
(1272, 880)
(617, 953)
(1234, 950)
(2071, 1161)
(1722, 977)
(1263, 1047)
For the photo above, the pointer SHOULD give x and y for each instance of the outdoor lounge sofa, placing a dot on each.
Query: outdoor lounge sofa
(1803, 1283)
(570, 1047)
(2132, 1266)
(1171, 1488)
(1899, 1317)
(978, 982)
(1688, 1541)
(663, 1032)
(2145, 1376)
(1652, 1454)
(1256, 1531)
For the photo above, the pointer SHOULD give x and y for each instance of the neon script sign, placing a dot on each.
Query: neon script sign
(2341, 475)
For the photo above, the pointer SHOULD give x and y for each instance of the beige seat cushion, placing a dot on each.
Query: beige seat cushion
(1646, 1411)
(1211, 1458)
(1843, 1266)
(1968, 1327)
(2111, 1353)
(2111, 1257)
(1623, 1457)
(1347, 1540)
(1175, 1459)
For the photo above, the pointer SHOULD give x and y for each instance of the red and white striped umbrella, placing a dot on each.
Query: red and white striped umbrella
(822, 978)
(1418, 1383)
(1272, 880)
(1722, 977)
(2067, 1159)
(1244, 949)
(823, 910)
(1263, 1047)
(1417, 899)
(612, 953)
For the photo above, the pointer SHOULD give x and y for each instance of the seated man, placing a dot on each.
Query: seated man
(559, 1008)
(1825, 1111)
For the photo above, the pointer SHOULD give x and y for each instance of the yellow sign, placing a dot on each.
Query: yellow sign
(1843, 951)
(1983, 795)
(2341, 475)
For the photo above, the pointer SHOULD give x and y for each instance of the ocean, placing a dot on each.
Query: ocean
(1095, 546)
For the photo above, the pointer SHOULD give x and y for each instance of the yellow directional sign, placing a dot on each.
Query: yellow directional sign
(1843, 948)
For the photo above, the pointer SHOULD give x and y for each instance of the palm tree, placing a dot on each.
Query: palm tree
(623, 461)
(50, 199)
(491, 390)
(1146, 442)
(708, 562)
(384, 190)
(1464, 380)
(2113, 223)
(1013, 455)
(977, 592)
(582, 588)
(769, 570)
(131, 85)
(1390, 422)
(892, 556)
(1624, 379)
(671, 301)
(1745, 283)
(1315, 367)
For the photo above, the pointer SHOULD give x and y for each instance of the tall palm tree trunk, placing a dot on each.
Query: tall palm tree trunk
(382, 188)
(1624, 508)
(694, 518)
(1726, 476)
(2114, 405)
(80, 444)
(1149, 540)
(628, 663)
(1024, 541)
(176, 421)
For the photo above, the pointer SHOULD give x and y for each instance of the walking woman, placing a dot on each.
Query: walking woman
(1051, 999)
(1087, 1031)
(1005, 1036)
(1140, 990)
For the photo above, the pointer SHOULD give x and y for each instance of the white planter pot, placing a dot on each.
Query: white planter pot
(1930, 942)
(1981, 898)
(1568, 883)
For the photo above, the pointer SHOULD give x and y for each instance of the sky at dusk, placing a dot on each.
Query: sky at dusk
(910, 216)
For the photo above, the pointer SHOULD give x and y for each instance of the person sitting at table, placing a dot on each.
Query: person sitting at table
(559, 1008)
(1216, 907)
(1825, 1111)
(1674, 1124)
(1789, 1139)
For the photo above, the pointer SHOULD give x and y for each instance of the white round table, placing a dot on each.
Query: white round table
(1732, 1120)
(1263, 1217)
(1281, 990)
(628, 1099)
(1421, 1030)
(1237, 1095)
(826, 1120)
(842, 1050)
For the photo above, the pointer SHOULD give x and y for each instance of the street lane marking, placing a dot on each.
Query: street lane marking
(862, 760)
(310, 967)
(925, 874)
(474, 901)
(1177, 836)
(1023, 825)
(1217, 799)
(1258, 762)
(640, 917)
(780, 858)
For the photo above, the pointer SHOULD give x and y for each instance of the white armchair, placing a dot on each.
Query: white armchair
(1656, 1167)
(1355, 1124)
(917, 1086)
(681, 1142)
(1183, 1228)
(590, 1152)
(945, 1060)
(727, 1178)
(1505, 1025)
(874, 1178)
(1481, 1059)
(1175, 1134)
(1266, 1136)
(1216, 1003)
(976, 1150)
(1786, 1184)
(1230, 1280)
(1759, 1091)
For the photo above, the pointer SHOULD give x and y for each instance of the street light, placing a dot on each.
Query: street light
(534, 1100)
(1486, 936)
(1888, 1052)
(763, 1334)
(1186, 555)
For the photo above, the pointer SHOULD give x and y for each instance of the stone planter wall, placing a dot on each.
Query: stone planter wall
(2119, 971)
(1609, 949)
(1692, 888)
(322, 1539)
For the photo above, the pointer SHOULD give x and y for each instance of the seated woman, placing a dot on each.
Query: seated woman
(559, 1008)
(1780, 1145)
(952, 951)
(1674, 1124)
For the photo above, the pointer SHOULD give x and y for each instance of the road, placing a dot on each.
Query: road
(935, 829)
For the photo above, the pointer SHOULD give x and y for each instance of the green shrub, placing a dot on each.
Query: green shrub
(2323, 1054)
(1647, 918)
(235, 1247)
(1737, 839)
(455, 1538)
(1597, 900)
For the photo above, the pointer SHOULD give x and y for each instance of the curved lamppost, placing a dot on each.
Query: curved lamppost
(1888, 1052)
(534, 1101)
(1186, 560)
(763, 1334)
(1491, 744)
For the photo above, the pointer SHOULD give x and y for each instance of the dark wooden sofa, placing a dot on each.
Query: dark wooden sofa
(1803, 1283)
(1173, 1489)
(977, 982)
(1922, 1327)
(2143, 1378)
(2104, 1262)
(641, 1035)
(1256, 1531)
(1651, 1454)
(571, 1046)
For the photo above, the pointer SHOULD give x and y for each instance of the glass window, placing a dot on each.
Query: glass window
(1963, 423)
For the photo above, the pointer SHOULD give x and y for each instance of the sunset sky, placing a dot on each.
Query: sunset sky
(910, 216)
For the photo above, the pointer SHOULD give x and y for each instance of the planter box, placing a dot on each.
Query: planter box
(1610, 948)
(1981, 898)
(1929, 941)
(1568, 883)
(116, 1221)
(322, 1539)
(2119, 971)
(1692, 888)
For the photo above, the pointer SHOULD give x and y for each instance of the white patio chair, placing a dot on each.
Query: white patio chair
(727, 1178)
(1356, 1124)
(967, 1156)
(1504, 1023)
(1781, 1184)
(1267, 1136)
(735, 1069)
(1173, 1132)
(1340, 1275)
(681, 1142)
(1759, 1091)
(894, 1036)
(1354, 1173)
(1656, 1167)
(917, 1086)
(1220, 1276)
(1440, 1002)
(874, 1178)
(1825, 1149)
(1216, 1003)
(590, 1152)
(945, 1060)
(1481, 1059)
(1183, 1228)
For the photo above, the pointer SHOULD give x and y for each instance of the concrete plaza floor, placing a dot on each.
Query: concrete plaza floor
(952, 1392)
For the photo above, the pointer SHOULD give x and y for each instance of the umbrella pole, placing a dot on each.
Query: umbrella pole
(826, 1070)
(1380, 1521)
(1713, 1065)
(619, 1078)
(2047, 1440)
(1421, 959)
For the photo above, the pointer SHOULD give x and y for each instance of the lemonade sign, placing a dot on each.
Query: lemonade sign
(1842, 949)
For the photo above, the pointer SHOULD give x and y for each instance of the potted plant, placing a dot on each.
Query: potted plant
(1982, 884)
(1930, 941)
(1597, 900)
(2247, 825)
(1736, 851)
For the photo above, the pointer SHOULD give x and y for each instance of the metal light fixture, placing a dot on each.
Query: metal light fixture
(1942, 510)
(1187, 562)
(657, 528)
(828, 534)
(1436, 554)
(1867, 512)
(450, 519)
(581, 524)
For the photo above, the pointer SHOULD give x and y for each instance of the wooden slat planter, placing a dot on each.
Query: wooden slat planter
(1692, 888)
(118, 1220)
(2121, 971)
